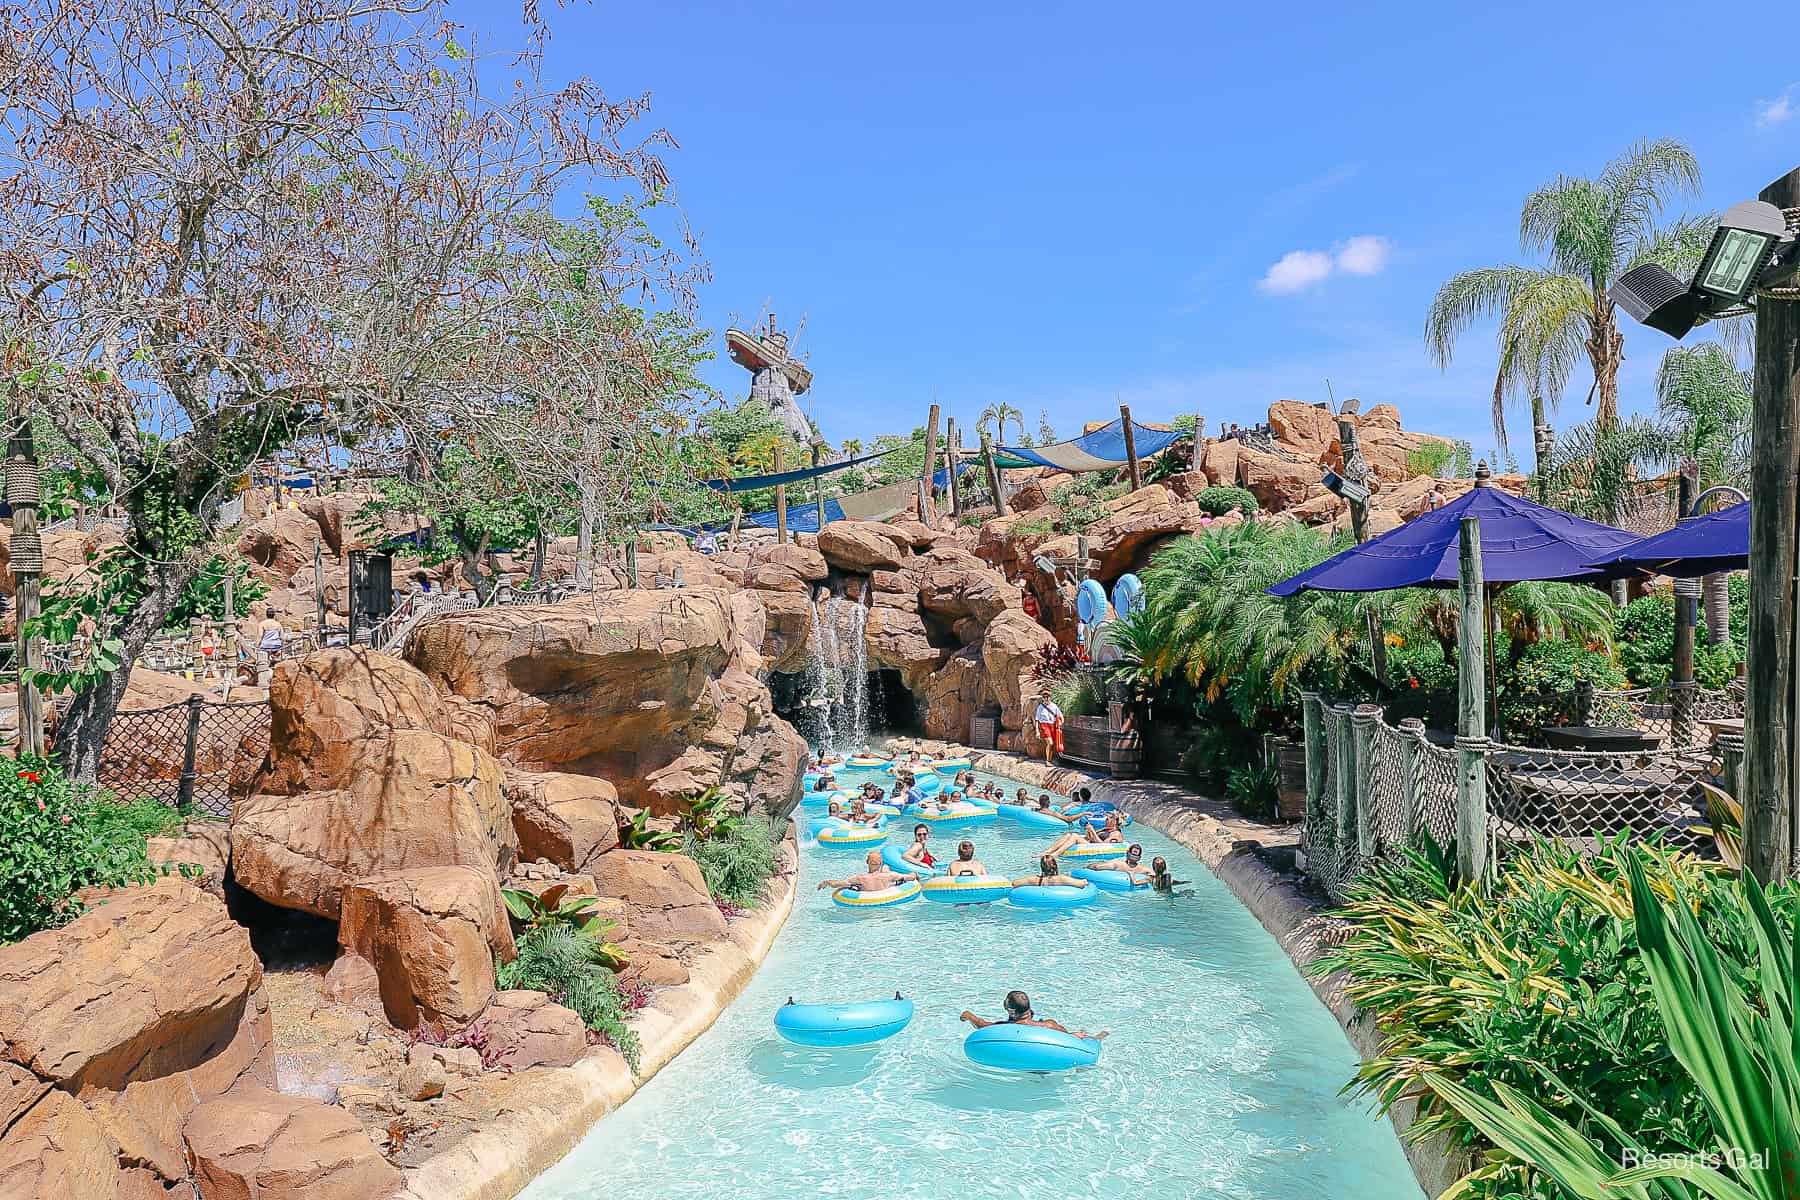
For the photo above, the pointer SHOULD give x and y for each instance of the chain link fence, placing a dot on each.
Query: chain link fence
(197, 752)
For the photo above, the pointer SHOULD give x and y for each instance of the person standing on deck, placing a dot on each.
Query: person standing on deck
(1049, 719)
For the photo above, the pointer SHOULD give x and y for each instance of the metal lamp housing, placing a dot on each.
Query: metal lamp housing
(1740, 250)
(1656, 297)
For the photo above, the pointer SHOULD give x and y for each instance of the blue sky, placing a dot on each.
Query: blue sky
(1059, 205)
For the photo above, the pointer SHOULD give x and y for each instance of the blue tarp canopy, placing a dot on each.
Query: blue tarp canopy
(866, 506)
(749, 483)
(1697, 546)
(1097, 451)
(1520, 540)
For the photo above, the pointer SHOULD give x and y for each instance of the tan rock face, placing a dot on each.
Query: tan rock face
(1009, 653)
(1219, 462)
(952, 694)
(568, 819)
(280, 544)
(954, 583)
(205, 845)
(1276, 482)
(412, 799)
(57, 1149)
(861, 546)
(1137, 524)
(803, 562)
(154, 982)
(431, 934)
(665, 895)
(624, 694)
(259, 1145)
(324, 705)
(788, 625)
(526, 1029)
(1307, 429)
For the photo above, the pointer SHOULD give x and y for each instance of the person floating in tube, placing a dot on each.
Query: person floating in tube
(1049, 719)
(1018, 1012)
(876, 878)
(917, 854)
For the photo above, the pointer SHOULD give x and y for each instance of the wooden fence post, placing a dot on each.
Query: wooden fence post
(1687, 609)
(819, 484)
(780, 500)
(951, 455)
(1413, 730)
(1001, 508)
(1362, 724)
(184, 795)
(1471, 728)
(23, 490)
(931, 436)
(1312, 724)
(1137, 477)
(1345, 769)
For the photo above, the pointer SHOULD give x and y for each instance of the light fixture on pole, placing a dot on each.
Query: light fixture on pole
(1752, 238)
(1348, 489)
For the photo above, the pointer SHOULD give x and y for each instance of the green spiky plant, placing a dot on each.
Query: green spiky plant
(639, 834)
(1590, 231)
(559, 960)
(557, 907)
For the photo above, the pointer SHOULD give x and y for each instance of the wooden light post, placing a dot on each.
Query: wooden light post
(1770, 769)
(819, 483)
(951, 446)
(993, 477)
(1356, 470)
(1471, 706)
(1687, 595)
(780, 500)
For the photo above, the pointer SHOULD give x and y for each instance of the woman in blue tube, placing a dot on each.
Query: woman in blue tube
(1018, 1012)
(1050, 876)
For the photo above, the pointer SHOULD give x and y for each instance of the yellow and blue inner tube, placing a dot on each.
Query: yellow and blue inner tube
(961, 813)
(848, 835)
(900, 893)
(1082, 852)
(967, 889)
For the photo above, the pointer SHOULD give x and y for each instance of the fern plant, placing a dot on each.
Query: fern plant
(557, 907)
(737, 863)
(563, 963)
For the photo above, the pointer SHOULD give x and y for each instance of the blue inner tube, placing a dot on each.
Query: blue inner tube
(1112, 881)
(967, 814)
(890, 856)
(1128, 593)
(1090, 602)
(1031, 816)
(927, 785)
(1011, 1047)
(1059, 895)
(968, 889)
(824, 799)
(900, 893)
(859, 1023)
(950, 766)
(1086, 852)
(1098, 808)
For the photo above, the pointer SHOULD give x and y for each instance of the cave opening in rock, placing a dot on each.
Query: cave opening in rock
(822, 708)
(282, 937)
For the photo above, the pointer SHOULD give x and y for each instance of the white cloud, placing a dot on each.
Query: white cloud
(1365, 255)
(1777, 110)
(1296, 271)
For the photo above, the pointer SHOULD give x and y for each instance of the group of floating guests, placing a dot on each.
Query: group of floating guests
(881, 874)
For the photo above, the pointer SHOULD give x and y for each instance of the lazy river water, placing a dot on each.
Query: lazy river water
(1220, 1076)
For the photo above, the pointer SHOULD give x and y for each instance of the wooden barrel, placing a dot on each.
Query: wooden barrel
(1125, 754)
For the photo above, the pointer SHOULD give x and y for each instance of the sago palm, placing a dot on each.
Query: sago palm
(1703, 415)
(1590, 231)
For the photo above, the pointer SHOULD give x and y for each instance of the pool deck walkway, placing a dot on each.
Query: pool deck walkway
(1255, 861)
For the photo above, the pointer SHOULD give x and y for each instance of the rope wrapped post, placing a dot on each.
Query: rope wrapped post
(1471, 729)
(952, 449)
(1731, 755)
(1414, 730)
(1363, 737)
(23, 492)
(1345, 771)
(1584, 702)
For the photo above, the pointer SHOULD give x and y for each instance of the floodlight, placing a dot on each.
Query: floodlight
(1743, 248)
(1348, 489)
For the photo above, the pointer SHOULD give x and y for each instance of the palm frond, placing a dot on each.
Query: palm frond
(1638, 182)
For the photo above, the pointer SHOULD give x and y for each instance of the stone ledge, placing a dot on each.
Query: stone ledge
(1296, 921)
(497, 1163)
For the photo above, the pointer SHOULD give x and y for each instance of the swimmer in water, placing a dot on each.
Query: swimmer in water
(966, 863)
(1160, 879)
(1049, 876)
(1017, 1006)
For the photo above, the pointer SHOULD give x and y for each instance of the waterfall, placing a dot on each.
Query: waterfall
(819, 660)
(837, 672)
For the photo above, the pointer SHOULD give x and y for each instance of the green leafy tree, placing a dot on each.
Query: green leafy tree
(995, 418)
(1590, 231)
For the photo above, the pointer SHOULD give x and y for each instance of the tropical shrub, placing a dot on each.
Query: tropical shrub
(1255, 789)
(739, 862)
(1538, 984)
(638, 834)
(1217, 501)
(557, 907)
(1539, 683)
(1729, 1015)
(566, 964)
(57, 837)
(1422, 680)
(1433, 458)
(1077, 693)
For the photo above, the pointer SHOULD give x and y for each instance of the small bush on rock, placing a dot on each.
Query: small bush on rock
(738, 862)
(56, 838)
(559, 961)
(1217, 501)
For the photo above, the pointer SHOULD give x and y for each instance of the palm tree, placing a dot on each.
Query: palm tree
(1591, 231)
(993, 421)
(1703, 415)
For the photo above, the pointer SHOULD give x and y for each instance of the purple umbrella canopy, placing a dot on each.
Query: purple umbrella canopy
(1718, 541)
(1520, 540)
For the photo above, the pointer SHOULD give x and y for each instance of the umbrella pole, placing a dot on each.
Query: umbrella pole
(1493, 622)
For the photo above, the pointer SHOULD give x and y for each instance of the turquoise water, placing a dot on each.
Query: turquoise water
(1220, 1077)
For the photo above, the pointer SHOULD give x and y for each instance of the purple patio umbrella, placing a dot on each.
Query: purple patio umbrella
(1698, 546)
(1520, 540)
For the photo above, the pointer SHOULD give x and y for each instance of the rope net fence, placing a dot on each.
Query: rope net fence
(147, 753)
(1383, 786)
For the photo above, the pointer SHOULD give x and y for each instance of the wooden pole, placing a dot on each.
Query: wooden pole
(1770, 774)
(22, 492)
(1471, 706)
(950, 456)
(780, 500)
(819, 486)
(931, 436)
(1356, 470)
(993, 477)
(736, 520)
(1687, 606)
(1137, 476)
(319, 588)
